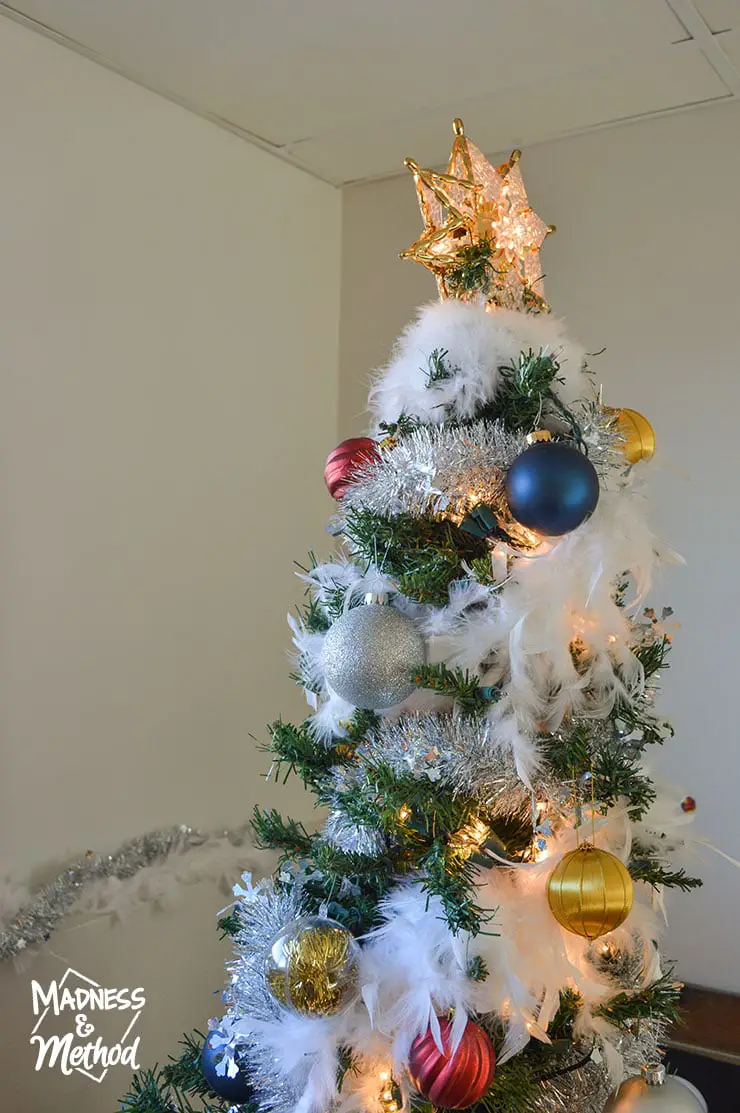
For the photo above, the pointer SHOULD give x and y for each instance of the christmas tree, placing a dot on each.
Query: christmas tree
(476, 923)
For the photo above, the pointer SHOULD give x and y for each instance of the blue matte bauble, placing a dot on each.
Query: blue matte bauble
(551, 488)
(236, 1089)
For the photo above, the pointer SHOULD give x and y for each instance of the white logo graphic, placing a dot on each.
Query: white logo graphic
(77, 1050)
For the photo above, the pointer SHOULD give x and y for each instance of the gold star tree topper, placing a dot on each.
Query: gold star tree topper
(481, 239)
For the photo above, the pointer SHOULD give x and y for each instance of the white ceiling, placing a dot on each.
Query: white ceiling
(348, 88)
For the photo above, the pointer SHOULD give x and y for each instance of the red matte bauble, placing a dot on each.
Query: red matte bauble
(453, 1081)
(342, 463)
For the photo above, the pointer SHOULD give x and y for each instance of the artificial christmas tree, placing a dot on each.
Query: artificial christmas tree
(476, 922)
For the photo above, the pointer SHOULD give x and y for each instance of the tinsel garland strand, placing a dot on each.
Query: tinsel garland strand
(263, 910)
(35, 921)
(435, 468)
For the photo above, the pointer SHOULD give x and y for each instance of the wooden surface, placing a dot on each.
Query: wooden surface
(711, 1023)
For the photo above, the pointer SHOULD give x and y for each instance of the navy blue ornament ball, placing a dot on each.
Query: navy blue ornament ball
(551, 488)
(236, 1089)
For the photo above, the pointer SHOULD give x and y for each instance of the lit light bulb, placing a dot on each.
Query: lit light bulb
(471, 837)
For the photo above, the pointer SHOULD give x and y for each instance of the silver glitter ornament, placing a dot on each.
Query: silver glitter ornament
(370, 654)
(656, 1092)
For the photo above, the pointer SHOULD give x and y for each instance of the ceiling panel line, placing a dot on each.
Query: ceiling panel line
(708, 43)
(706, 46)
(608, 125)
(283, 153)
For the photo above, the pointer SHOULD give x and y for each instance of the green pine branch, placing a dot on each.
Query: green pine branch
(615, 767)
(528, 386)
(437, 369)
(314, 617)
(185, 1074)
(653, 655)
(617, 773)
(525, 388)
(637, 718)
(427, 827)
(453, 878)
(168, 1089)
(272, 832)
(228, 925)
(515, 1088)
(458, 684)
(423, 555)
(475, 270)
(351, 901)
(362, 725)
(477, 969)
(318, 616)
(561, 1025)
(401, 427)
(645, 865)
(149, 1093)
(657, 1001)
(296, 750)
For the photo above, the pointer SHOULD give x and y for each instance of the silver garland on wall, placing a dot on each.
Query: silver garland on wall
(39, 917)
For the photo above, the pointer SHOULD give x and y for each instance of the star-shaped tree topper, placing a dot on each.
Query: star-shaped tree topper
(481, 238)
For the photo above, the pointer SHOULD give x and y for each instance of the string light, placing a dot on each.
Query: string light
(404, 812)
(389, 1093)
(471, 837)
(491, 497)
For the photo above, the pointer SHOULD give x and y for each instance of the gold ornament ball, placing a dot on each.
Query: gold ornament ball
(638, 434)
(656, 1092)
(590, 892)
(311, 967)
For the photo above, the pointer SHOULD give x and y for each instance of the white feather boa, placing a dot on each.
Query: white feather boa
(519, 636)
(478, 343)
(414, 968)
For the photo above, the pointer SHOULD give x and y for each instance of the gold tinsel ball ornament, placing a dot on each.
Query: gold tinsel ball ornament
(311, 967)
(590, 892)
(638, 435)
(655, 1092)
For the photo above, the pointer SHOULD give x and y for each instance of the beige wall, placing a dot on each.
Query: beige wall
(645, 261)
(168, 342)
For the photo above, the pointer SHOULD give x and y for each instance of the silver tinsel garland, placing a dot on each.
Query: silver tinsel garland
(35, 921)
(263, 910)
(353, 838)
(436, 468)
(457, 751)
(587, 1088)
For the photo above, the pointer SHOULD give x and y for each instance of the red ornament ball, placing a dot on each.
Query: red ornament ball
(342, 463)
(688, 804)
(453, 1081)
